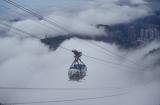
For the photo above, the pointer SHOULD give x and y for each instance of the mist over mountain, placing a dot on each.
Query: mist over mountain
(128, 35)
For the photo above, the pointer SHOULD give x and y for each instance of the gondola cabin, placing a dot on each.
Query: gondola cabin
(78, 69)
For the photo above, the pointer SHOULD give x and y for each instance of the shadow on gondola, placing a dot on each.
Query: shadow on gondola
(78, 69)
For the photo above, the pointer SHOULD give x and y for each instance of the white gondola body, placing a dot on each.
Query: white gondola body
(77, 72)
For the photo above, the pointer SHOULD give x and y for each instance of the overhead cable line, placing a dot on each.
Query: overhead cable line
(61, 89)
(95, 58)
(55, 24)
(3, 6)
(17, 29)
(51, 28)
(54, 101)
(45, 19)
(66, 100)
(35, 14)
(104, 61)
(114, 54)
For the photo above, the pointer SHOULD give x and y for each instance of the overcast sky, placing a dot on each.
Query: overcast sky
(77, 16)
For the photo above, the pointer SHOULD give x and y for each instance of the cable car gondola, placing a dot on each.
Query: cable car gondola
(78, 69)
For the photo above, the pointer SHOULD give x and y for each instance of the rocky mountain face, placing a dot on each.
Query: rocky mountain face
(128, 35)
(154, 52)
(136, 33)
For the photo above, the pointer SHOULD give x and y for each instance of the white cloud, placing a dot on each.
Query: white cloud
(28, 63)
(84, 20)
(113, 15)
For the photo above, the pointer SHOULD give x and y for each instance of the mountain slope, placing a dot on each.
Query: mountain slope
(128, 35)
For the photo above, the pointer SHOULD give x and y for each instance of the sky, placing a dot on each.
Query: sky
(26, 62)
(76, 16)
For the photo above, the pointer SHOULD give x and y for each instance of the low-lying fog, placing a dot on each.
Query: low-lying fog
(29, 63)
